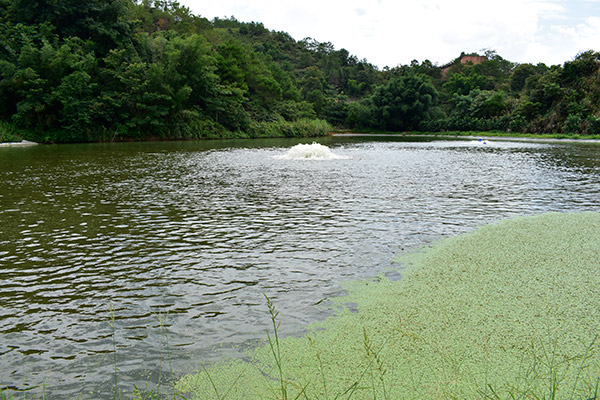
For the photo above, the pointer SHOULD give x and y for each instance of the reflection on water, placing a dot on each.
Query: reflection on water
(188, 237)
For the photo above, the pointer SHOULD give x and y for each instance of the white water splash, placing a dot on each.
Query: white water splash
(314, 151)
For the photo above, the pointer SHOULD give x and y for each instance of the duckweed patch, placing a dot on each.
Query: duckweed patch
(508, 311)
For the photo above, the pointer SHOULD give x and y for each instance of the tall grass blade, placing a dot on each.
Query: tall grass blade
(212, 383)
(4, 396)
(321, 369)
(274, 345)
(111, 323)
(586, 356)
(162, 320)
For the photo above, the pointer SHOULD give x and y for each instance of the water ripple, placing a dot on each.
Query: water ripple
(185, 239)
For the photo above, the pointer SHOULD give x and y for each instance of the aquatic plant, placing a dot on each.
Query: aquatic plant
(506, 312)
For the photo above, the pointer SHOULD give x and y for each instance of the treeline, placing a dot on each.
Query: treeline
(87, 70)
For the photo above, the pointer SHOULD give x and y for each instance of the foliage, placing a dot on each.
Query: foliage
(403, 102)
(282, 128)
(75, 71)
(8, 133)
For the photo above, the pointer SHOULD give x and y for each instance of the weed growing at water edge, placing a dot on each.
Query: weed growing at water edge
(276, 350)
(145, 393)
(321, 368)
(155, 393)
(111, 323)
(547, 366)
(6, 395)
(374, 358)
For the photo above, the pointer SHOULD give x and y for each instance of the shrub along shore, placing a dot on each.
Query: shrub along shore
(507, 311)
(303, 128)
(274, 129)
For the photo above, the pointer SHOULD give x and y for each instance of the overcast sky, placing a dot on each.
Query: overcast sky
(392, 32)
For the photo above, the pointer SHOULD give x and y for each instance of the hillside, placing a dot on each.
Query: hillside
(123, 70)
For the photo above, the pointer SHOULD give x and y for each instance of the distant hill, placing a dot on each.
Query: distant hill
(124, 69)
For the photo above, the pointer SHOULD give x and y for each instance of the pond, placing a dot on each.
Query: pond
(175, 244)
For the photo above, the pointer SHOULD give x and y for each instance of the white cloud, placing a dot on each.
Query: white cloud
(581, 37)
(389, 32)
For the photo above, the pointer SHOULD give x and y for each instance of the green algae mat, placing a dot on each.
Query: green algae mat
(510, 311)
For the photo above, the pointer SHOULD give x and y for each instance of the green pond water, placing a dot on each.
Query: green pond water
(181, 240)
(509, 311)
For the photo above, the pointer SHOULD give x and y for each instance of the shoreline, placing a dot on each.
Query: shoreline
(22, 143)
(505, 138)
(486, 137)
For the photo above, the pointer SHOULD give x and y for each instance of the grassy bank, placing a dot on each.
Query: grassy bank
(509, 311)
(516, 135)
(481, 134)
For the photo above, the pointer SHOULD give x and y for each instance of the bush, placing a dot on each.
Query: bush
(517, 123)
(573, 124)
(9, 133)
(292, 110)
(192, 125)
(359, 115)
(593, 125)
(281, 128)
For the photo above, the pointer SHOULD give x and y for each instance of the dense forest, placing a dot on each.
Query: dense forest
(89, 70)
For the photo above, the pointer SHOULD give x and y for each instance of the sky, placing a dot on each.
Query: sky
(394, 32)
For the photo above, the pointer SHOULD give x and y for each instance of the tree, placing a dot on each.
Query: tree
(462, 84)
(403, 102)
(103, 21)
(520, 75)
(584, 64)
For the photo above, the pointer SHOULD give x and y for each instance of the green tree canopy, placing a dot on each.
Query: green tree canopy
(403, 102)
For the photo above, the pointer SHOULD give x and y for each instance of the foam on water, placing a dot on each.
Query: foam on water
(314, 151)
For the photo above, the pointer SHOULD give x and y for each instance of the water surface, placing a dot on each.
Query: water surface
(179, 241)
